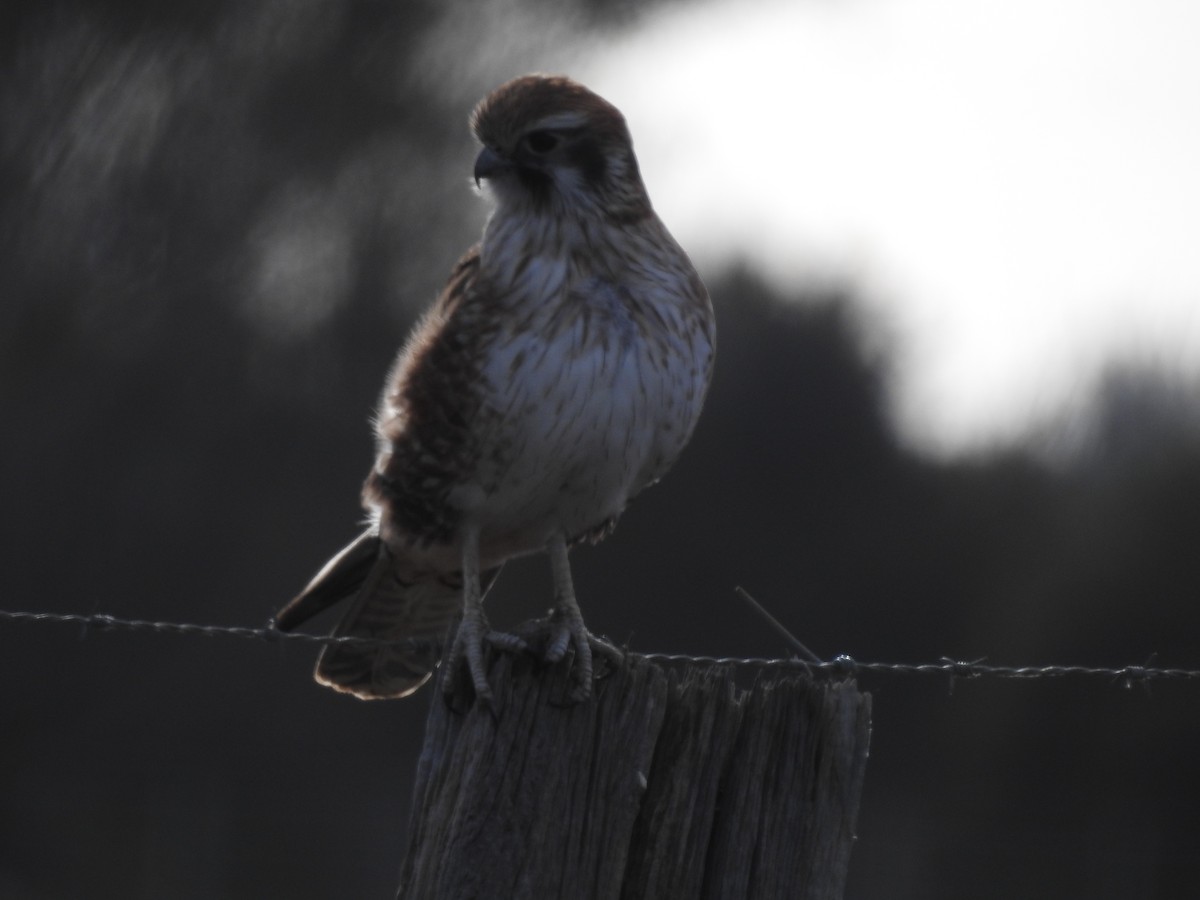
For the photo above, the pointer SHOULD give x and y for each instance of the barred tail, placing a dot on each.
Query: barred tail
(388, 602)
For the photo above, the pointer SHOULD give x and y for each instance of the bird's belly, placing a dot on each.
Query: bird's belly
(575, 430)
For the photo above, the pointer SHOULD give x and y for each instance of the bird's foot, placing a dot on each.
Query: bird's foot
(569, 632)
(467, 650)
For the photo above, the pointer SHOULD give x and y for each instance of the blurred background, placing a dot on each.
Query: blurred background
(956, 410)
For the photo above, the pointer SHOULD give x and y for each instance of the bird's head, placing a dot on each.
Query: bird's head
(551, 145)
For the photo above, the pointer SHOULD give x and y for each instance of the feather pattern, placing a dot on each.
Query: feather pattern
(561, 371)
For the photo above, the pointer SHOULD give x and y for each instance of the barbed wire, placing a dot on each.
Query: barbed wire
(844, 666)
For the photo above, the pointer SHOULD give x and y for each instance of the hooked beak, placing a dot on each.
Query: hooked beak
(488, 164)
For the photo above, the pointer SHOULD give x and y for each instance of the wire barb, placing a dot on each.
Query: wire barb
(957, 668)
(840, 666)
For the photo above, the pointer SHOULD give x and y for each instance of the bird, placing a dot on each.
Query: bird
(561, 370)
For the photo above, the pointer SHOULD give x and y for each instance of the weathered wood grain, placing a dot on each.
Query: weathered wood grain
(667, 784)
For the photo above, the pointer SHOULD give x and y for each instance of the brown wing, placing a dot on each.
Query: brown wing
(429, 423)
(428, 443)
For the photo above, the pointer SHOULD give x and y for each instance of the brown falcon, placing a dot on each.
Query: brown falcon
(561, 371)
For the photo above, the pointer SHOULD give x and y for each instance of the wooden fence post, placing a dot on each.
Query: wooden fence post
(670, 783)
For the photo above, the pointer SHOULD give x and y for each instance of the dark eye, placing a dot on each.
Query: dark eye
(541, 141)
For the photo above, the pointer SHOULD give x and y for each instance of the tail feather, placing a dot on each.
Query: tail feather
(389, 601)
(338, 579)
